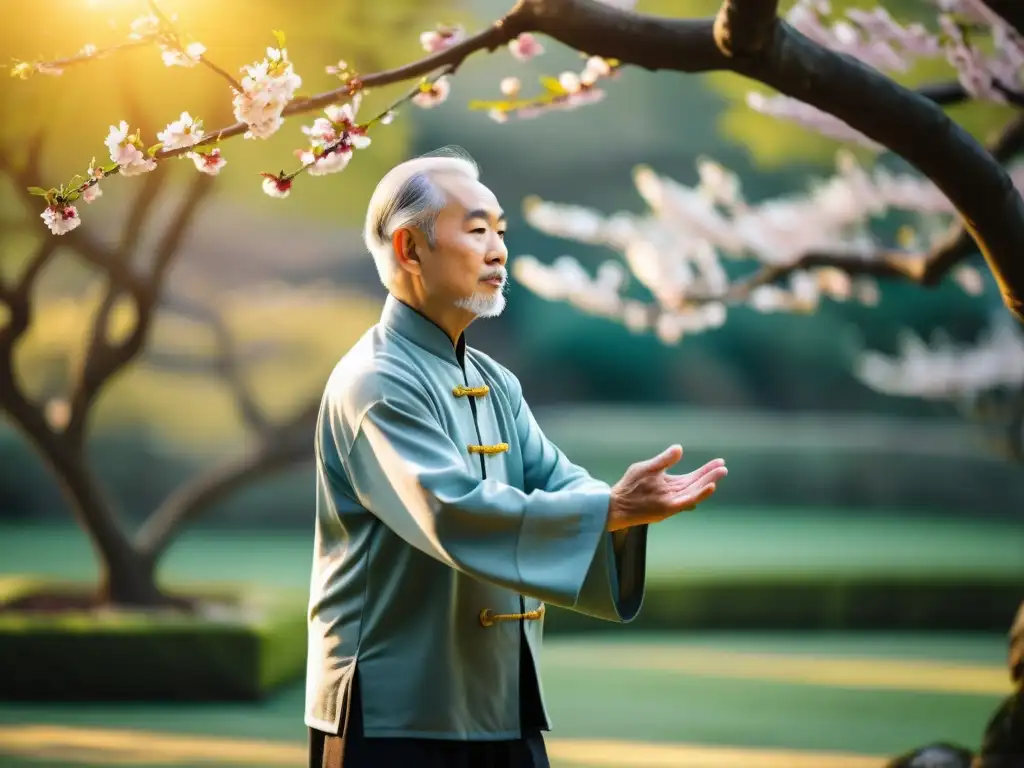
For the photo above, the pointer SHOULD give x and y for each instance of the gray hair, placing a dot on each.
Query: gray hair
(407, 196)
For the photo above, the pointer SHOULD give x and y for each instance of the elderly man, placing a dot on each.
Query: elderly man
(446, 520)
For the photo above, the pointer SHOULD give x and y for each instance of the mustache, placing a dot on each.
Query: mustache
(495, 273)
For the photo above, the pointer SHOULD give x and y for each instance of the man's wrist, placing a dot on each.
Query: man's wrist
(616, 521)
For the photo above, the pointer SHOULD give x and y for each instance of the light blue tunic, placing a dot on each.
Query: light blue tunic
(442, 512)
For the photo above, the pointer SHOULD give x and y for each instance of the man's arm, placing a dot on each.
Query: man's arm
(615, 583)
(405, 469)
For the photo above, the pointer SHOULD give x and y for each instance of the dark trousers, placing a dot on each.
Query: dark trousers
(357, 751)
(327, 750)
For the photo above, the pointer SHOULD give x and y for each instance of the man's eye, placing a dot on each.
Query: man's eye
(501, 233)
(478, 231)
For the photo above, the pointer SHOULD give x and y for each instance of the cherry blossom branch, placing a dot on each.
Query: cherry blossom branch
(176, 44)
(24, 69)
(1011, 11)
(769, 51)
(745, 26)
(917, 130)
(944, 94)
(450, 60)
(924, 269)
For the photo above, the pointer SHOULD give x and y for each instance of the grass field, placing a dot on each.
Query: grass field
(624, 698)
(632, 701)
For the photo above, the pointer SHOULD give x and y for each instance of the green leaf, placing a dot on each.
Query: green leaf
(73, 196)
(552, 84)
(155, 148)
(38, 191)
(279, 36)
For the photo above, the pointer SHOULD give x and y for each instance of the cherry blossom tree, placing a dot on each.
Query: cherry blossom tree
(745, 37)
(822, 243)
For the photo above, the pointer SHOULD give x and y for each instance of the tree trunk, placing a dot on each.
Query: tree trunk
(130, 580)
(127, 576)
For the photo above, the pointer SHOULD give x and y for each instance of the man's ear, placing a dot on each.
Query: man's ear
(404, 245)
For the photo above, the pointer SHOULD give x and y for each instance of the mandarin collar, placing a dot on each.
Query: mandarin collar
(422, 331)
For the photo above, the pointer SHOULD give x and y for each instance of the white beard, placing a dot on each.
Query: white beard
(484, 304)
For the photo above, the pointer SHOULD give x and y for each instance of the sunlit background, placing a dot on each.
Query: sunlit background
(846, 595)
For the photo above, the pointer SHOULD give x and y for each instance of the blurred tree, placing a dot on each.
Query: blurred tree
(67, 360)
(745, 37)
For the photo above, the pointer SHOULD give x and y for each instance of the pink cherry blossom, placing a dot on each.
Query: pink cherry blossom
(92, 192)
(443, 37)
(183, 132)
(510, 86)
(189, 57)
(570, 81)
(144, 26)
(946, 370)
(525, 47)
(333, 139)
(267, 88)
(61, 219)
(434, 94)
(209, 162)
(126, 151)
(276, 187)
(596, 68)
(337, 69)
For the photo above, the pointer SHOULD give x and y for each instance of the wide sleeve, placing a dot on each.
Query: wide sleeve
(616, 580)
(407, 471)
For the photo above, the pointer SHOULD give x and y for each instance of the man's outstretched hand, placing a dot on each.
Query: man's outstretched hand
(648, 494)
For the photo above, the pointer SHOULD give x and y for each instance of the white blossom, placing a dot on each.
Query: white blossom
(183, 132)
(209, 163)
(61, 219)
(333, 139)
(277, 188)
(434, 94)
(267, 88)
(946, 370)
(189, 57)
(144, 26)
(525, 47)
(443, 37)
(91, 193)
(126, 151)
(510, 86)
(676, 249)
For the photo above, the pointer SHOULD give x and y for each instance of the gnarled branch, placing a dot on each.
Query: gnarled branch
(745, 27)
(915, 128)
(227, 364)
(925, 269)
(105, 359)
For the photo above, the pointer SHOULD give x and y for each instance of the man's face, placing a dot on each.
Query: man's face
(467, 264)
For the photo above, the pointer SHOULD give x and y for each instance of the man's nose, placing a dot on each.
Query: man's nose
(498, 254)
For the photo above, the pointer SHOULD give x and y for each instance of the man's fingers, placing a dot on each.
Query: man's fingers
(691, 477)
(711, 472)
(697, 492)
(663, 460)
(693, 498)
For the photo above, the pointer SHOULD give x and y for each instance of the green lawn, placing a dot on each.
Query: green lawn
(592, 693)
(767, 691)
